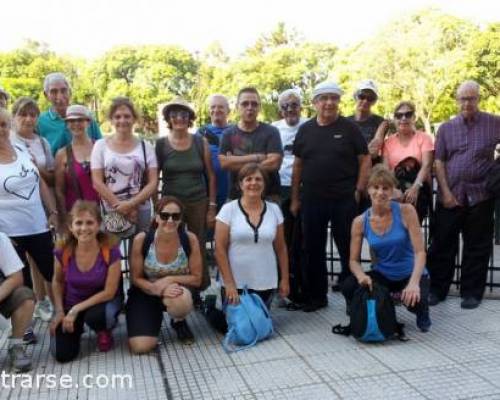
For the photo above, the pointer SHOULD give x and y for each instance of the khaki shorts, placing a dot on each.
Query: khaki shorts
(15, 300)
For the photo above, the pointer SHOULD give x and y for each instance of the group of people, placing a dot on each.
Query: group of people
(266, 193)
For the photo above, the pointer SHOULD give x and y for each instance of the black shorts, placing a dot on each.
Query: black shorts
(144, 313)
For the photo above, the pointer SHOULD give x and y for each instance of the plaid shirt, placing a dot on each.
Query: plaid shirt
(467, 148)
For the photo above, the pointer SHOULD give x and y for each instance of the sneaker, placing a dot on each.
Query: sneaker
(183, 332)
(20, 361)
(424, 321)
(469, 303)
(43, 310)
(434, 299)
(29, 337)
(105, 340)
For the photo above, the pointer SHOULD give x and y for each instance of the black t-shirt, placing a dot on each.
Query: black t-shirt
(368, 126)
(329, 157)
(264, 139)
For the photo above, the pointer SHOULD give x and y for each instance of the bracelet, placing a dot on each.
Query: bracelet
(72, 311)
(212, 204)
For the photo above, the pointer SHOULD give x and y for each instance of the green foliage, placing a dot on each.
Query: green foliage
(421, 57)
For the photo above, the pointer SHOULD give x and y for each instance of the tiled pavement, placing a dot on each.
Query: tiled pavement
(458, 359)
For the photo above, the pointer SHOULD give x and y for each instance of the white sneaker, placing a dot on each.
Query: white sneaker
(43, 310)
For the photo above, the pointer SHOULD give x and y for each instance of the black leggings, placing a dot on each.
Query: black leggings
(41, 248)
(217, 318)
(65, 346)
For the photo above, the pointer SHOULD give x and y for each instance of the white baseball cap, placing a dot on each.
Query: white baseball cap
(77, 111)
(327, 88)
(367, 84)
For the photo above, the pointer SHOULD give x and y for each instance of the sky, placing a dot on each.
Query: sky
(88, 28)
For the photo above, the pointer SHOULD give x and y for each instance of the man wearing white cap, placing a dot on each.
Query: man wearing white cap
(366, 95)
(331, 166)
(51, 124)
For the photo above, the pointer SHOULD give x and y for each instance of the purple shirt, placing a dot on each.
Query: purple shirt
(467, 150)
(78, 285)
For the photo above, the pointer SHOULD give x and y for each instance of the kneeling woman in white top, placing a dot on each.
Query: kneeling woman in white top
(249, 241)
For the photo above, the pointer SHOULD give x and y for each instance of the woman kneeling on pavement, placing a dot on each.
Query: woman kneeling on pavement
(86, 284)
(395, 238)
(165, 268)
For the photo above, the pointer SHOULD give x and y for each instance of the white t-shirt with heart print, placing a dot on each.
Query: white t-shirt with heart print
(21, 209)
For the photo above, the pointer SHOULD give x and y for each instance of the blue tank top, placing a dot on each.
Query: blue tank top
(394, 255)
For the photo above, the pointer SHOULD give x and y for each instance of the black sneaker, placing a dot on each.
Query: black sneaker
(183, 332)
(434, 299)
(469, 303)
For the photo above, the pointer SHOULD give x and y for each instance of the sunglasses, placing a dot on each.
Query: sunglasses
(290, 106)
(165, 216)
(400, 115)
(366, 97)
(246, 104)
(179, 114)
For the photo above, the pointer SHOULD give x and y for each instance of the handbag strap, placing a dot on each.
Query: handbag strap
(70, 160)
(144, 177)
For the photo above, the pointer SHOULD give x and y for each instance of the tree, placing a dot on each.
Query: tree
(150, 75)
(416, 58)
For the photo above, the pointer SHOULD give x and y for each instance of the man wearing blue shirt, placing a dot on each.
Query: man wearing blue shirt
(51, 124)
(219, 111)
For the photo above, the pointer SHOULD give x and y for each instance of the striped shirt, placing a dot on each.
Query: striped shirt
(467, 149)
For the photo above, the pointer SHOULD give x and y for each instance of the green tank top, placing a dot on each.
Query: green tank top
(183, 175)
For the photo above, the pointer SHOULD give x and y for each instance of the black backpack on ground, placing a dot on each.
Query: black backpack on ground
(373, 316)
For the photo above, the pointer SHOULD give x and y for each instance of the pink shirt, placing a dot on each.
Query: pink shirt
(394, 152)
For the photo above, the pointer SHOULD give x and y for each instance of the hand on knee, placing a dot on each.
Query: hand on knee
(180, 306)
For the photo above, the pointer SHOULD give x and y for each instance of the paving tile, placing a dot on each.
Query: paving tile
(345, 364)
(320, 342)
(449, 383)
(406, 356)
(379, 387)
(278, 374)
(308, 392)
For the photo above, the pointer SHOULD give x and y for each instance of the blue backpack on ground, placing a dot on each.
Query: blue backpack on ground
(248, 322)
(373, 316)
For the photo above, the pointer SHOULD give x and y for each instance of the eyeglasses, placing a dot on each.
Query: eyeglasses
(247, 103)
(366, 97)
(165, 216)
(77, 120)
(400, 115)
(179, 114)
(291, 106)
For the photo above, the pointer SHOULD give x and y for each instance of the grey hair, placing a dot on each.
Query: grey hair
(218, 96)
(54, 77)
(289, 93)
(470, 84)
